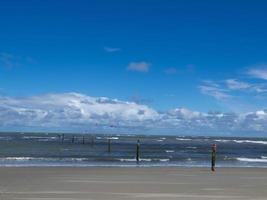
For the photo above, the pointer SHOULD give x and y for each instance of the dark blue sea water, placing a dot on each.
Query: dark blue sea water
(40, 149)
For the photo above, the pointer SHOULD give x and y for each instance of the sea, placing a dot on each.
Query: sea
(93, 150)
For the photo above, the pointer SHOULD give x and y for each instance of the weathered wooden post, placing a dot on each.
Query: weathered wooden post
(213, 157)
(109, 145)
(138, 151)
(73, 138)
(92, 141)
(83, 140)
(62, 138)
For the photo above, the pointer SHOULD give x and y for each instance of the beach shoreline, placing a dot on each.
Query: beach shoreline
(56, 183)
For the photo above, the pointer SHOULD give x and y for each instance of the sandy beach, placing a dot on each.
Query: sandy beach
(132, 183)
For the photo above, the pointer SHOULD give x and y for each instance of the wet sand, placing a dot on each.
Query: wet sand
(51, 183)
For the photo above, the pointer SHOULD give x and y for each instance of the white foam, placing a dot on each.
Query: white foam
(183, 139)
(41, 159)
(40, 138)
(127, 159)
(222, 140)
(191, 147)
(33, 137)
(143, 160)
(113, 138)
(252, 160)
(17, 158)
(146, 159)
(6, 138)
(134, 160)
(164, 160)
(169, 151)
(251, 141)
(243, 141)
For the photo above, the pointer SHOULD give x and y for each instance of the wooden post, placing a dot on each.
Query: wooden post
(83, 140)
(92, 141)
(73, 138)
(62, 138)
(213, 157)
(109, 145)
(138, 151)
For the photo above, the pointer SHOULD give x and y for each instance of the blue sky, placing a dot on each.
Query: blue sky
(198, 55)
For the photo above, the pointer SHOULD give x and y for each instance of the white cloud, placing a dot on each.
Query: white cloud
(260, 73)
(111, 49)
(224, 90)
(139, 66)
(71, 108)
(73, 111)
(213, 89)
(234, 84)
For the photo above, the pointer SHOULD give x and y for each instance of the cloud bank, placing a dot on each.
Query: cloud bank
(79, 112)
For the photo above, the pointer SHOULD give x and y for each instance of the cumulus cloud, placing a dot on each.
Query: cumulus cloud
(139, 66)
(71, 109)
(140, 100)
(111, 49)
(74, 111)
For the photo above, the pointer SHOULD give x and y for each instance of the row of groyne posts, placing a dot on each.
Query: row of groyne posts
(62, 138)
(137, 153)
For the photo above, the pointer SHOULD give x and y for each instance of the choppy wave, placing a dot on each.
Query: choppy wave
(27, 150)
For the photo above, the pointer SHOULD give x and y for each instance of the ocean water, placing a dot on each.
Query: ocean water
(43, 149)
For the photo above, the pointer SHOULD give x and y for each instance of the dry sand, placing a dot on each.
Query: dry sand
(132, 183)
